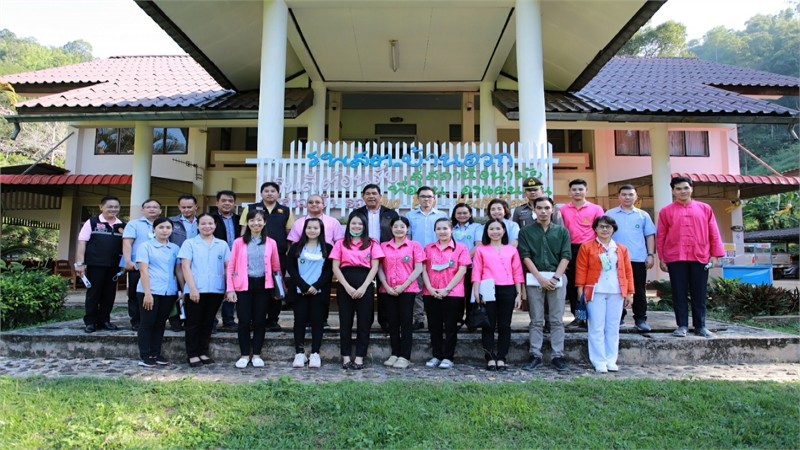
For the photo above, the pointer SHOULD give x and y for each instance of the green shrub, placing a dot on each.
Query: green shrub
(664, 291)
(30, 296)
(747, 300)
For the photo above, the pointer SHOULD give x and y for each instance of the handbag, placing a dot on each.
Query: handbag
(479, 318)
(279, 291)
(580, 310)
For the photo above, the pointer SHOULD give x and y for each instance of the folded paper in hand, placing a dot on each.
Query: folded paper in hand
(486, 290)
(531, 280)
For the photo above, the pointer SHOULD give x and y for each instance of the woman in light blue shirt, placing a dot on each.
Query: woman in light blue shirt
(157, 291)
(204, 260)
(469, 233)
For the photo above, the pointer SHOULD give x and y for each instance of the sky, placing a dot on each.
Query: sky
(120, 27)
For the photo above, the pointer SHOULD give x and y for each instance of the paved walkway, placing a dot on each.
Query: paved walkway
(375, 372)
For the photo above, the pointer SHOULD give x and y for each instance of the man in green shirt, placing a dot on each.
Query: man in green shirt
(544, 247)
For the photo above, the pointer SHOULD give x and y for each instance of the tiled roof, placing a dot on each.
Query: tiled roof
(65, 179)
(681, 86)
(124, 82)
(740, 179)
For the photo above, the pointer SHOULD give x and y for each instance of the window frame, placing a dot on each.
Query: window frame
(642, 138)
(121, 132)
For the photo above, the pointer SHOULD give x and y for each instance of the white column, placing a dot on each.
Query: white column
(66, 244)
(335, 117)
(488, 125)
(273, 79)
(468, 117)
(142, 167)
(662, 172)
(530, 70)
(316, 122)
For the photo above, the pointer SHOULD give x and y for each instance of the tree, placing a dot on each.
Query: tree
(666, 39)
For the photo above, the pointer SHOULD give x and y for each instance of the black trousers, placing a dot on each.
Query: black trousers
(100, 297)
(152, 324)
(348, 308)
(133, 302)
(639, 292)
(400, 316)
(309, 308)
(443, 316)
(200, 318)
(466, 310)
(689, 278)
(274, 306)
(499, 312)
(251, 307)
(572, 291)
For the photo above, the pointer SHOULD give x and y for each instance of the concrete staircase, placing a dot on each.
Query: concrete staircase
(732, 343)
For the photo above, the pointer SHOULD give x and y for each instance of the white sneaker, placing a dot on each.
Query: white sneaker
(242, 362)
(314, 361)
(601, 369)
(390, 362)
(446, 364)
(433, 362)
(401, 363)
(299, 361)
(257, 361)
(613, 368)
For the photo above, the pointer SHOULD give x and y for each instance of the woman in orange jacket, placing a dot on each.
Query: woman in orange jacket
(603, 274)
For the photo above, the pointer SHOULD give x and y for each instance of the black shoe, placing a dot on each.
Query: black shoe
(501, 367)
(419, 325)
(176, 328)
(559, 364)
(232, 327)
(546, 328)
(90, 328)
(274, 327)
(207, 361)
(326, 326)
(147, 362)
(110, 326)
(577, 324)
(533, 363)
(194, 364)
(135, 327)
(642, 325)
(160, 360)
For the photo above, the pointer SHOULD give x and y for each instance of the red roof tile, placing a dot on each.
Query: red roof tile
(740, 179)
(65, 179)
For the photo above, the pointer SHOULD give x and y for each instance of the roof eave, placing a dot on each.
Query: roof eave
(636, 22)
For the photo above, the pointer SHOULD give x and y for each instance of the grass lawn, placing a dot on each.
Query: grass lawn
(580, 413)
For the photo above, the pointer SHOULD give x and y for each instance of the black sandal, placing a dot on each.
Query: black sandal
(356, 366)
(348, 365)
(501, 367)
(195, 363)
(491, 366)
(207, 360)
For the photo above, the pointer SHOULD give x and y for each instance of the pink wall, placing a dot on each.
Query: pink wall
(723, 156)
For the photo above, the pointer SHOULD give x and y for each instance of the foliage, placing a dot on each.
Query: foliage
(773, 212)
(18, 54)
(748, 300)
(19, 242)
(768, 42)
(664, 290)
(30, 296)
(580, 413)
(666, 39)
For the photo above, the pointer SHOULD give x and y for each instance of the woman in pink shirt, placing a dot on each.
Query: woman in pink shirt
(497, 264)
(254, 257)
(398, 273)
(446, 262)
(355, 264)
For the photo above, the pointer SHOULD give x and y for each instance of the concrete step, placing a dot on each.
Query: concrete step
(732, 344)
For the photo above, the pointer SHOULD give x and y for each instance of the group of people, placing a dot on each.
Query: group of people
(424, 265)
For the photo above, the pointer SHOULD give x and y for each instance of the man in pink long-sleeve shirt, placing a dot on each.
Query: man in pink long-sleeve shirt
(688, 244)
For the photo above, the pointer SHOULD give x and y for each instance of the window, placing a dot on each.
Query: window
(455, 132)
(681, 143)
(114, 141)
(119, 141)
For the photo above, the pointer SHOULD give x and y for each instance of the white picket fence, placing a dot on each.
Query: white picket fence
(473, 173)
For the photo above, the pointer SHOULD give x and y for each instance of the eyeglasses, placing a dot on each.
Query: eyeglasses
(605, 227)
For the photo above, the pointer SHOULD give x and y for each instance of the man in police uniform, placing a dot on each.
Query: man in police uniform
(279, 222)
(523, 215)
